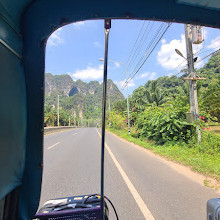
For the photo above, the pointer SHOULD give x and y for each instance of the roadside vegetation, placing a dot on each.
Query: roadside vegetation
(158, 117)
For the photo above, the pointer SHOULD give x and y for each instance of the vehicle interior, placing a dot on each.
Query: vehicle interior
(25, 26)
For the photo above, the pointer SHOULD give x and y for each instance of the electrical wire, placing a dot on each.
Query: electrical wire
(144, 54)
(201, 59)
(145, 59)
(218, 38)
(149, 45)
(142, 37)
(141, 46)
(207, 50)
(85, 200)
(175, 68)
(124, 69)
(116, 214)
(208, 55)
(197, 53)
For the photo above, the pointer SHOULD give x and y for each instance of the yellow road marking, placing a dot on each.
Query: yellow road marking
(53, 145)
(59, 131)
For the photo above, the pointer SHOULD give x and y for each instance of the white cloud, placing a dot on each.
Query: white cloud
(143, 75)
(117, 64)
(215, 43)
(97, 44)
(168, 58)
(55, 38)
(151, 76)
(121, 83)
(163, 41)
(80, 23)
(88, 73)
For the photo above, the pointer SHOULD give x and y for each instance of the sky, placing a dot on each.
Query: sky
(75, 49)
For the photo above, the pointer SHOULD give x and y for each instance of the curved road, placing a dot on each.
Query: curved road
(140, 185)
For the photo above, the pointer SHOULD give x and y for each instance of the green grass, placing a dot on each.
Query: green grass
(214, 129)
(201, 162)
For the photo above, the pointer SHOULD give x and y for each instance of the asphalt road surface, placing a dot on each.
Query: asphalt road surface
(140, 185)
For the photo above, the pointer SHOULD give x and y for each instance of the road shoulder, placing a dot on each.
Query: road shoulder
(180, 168)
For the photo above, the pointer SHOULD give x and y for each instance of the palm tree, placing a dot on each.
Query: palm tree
(155, 95)
(138, 99)
(49, 115)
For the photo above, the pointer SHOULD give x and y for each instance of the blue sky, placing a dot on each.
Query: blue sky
(75, 49)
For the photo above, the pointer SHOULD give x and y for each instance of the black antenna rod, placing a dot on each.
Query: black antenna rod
(107, 29)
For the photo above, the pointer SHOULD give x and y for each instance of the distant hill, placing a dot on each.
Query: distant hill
(211, 71)
(85, 99)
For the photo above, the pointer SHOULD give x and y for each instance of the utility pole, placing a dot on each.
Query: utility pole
(128, 118)
(58, 111)
(69, 121)
(194, 109)
(110, 88)
(74, 118)
(109, 106)
(128, 112)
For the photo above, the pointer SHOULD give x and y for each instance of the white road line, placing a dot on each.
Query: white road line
(74, 133)
(143, 207)
(53, 145)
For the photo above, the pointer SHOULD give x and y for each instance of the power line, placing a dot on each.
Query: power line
(207, 46)
(175, 68)
(208, 50)
(194, 54)
(144, 54)
(201, 59)
(149, 45)
(208, 55)
(142, 37)
(141, 45)
(148, 54)
(124, 69)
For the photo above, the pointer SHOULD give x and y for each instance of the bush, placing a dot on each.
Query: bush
(135, 135)
(210, 143)
(115, 120)
(165, 123)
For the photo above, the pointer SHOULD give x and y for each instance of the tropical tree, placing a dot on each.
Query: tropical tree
(49, 115)
(211, 99)
(155, 95)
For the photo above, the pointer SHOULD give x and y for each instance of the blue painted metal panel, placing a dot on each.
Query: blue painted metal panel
(211, 4)
(38, 19)
(56, 13)
(11, 11)
(10, 37)
(13, 121)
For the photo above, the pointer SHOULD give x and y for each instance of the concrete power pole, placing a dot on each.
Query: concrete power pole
(128, 111)
(74, 118)
(109, 106)
(58, 111)
(194, 109)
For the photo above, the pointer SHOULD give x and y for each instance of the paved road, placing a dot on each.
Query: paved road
(72, 167)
